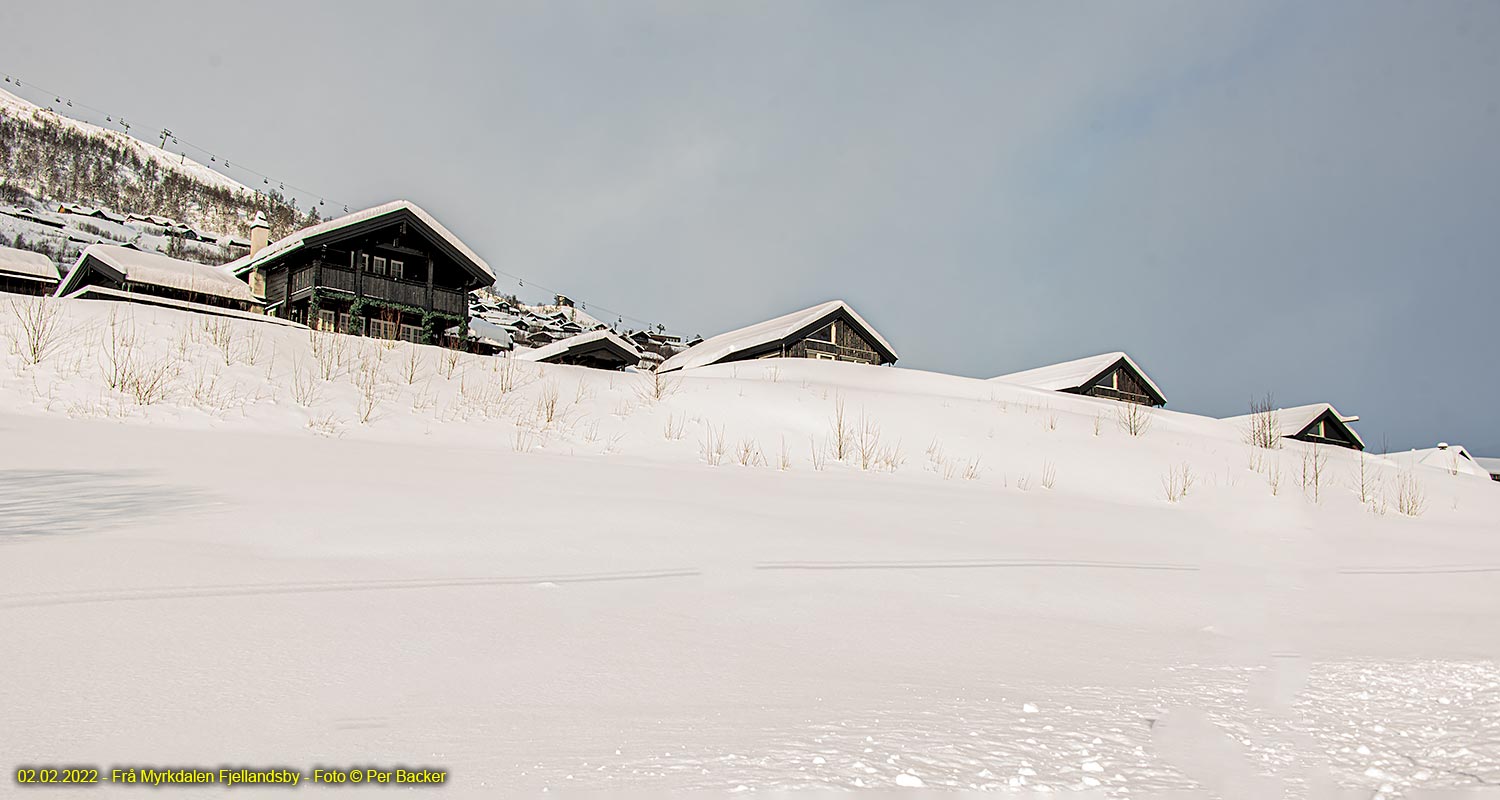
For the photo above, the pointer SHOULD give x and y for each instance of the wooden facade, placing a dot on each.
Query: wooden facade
(94, 271)
(1120, 381)
(26, 284)
(390, 276)
(1330, 430)
(838, 340)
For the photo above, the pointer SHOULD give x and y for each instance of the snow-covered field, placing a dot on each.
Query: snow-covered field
(274, 547)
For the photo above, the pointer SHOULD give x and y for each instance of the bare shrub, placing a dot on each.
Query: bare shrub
(449, 361)
(654, 386)
(1314, 472)
(370, 381)
(1366, 480)
(784, 459)
(971, 470)
(254, 343)
(325, 425)
(1049, 475)
(150, 383)
(117, 358)
(1049, 419)
(221, 335)
(713, 446)
(673, 430)
(39, 328)
(327, 351)
(547, 407)
(1177, 482)
(1133, 418)
(819, 455)
(1411, 496)
(411, 365)
(840, 431)
(1273, 476)
(306, 388)
(1265, 424)
(749, 455)
(1098, 422)
(773, 374)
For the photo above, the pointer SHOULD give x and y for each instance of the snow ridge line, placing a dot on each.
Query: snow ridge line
(237, 590)
(1432, 570)
(1042, 563)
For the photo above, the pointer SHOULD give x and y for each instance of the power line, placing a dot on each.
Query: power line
(167, 136)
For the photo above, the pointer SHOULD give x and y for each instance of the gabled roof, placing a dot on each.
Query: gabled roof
(333, 227)
(1448, 457)
(139, 266)
(489, 333)
(1295, 420)
(563, 347)
(1491, 465)
(719, 348)
(1078, 373)
(27, 264)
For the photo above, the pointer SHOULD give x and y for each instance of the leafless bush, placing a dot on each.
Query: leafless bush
(1314, 472)
(1366, 480)
(1411, 496)
(1049, 475)
(547, 407)
(773, 374)
(1049, 419)
(971, 470)
(1098, 422)
(591, 432)
(749, 455)
(117, 350)
(449, 361)
(39, 328)
(326, 425)
(655, 386)
(524, 438)
(370, 382)
(1133, 418)
(784, 459)
(150, 383)
(306, 388)
(1273, 476)
(1177, 482)
(509, 374)
(327, 351)
(411, 365)
(1265, 424)
(819, 454)
(866, 441)
(221, 335)
(1023, 483)
(840, 431)
(713, 445)
(674, 427)
(254, 342)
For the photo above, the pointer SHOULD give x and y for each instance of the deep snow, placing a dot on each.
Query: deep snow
(535, 576)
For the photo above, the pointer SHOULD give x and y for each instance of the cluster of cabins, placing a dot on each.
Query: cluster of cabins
(395, 272)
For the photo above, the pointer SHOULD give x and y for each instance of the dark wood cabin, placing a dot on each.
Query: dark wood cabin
(601, 349)
(831, 331)
(125, 273)
(1114, 376)
(1329, 428)
(390, 272)
(25, 272)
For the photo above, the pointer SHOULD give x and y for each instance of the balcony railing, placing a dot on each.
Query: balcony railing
(411, 293)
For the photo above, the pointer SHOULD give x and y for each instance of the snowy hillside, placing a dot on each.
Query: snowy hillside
(304, 548)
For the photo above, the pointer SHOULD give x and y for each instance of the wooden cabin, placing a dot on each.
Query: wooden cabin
(115, 272)
(1115, 376)
(25, 272)
(391, 272)
(830, 331)
(601, 349)
(1319, 423)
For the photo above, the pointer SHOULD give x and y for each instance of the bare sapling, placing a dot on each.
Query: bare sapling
(221, 335)
(1314, 472)
(1098, 422)
(327, 351)
(1411, 496)
(39, 329)
(714, 446)
(1133, 418)
(1265, 424)
(1366, 480)
(819, 454)
(749, 455)
(1273, 476)
(411, 365)
(841, 432)
(117, 359)
(306, 388)
(370, 382)
(1049, 475)
(448, 363)
(254, 343)
(655, 387)
(784, 458)
(1177, 482)
(673, 429)
(547, 406)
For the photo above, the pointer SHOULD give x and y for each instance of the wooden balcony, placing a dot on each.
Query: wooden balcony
(410, 293)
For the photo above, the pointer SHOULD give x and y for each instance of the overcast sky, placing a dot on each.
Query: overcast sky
(1297, 198)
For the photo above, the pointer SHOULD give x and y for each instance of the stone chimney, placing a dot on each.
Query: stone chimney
(260, 236)
(260, 233)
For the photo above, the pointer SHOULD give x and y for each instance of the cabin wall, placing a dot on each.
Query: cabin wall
(1128, 387)
(1333, 434)
(848, 345)
(14, 285)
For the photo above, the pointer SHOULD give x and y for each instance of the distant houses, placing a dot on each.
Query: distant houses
(25, 272)
(1318, 423)
(1490, 465)
(114, 272)
(1451, 458)
(1115, 376)
(391, 272)
(602, 349)
(830, 331)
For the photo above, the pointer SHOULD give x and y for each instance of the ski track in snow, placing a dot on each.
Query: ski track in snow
(1381, 726)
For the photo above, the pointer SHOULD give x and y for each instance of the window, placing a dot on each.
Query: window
(411, 333)
(364, 261)
(824, 335)
(380, 328)
(1114, 380)
(327, 320)
(822, 356)
(1316, 429)
(398, 269)
(379, 265)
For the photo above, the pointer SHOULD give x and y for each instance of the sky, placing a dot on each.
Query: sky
(1300, 199)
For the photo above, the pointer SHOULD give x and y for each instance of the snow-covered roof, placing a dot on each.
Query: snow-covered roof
(27, 264)
(1076, 373)
(563, 346)
(1491, 465)
(717, 348)
(1447, 457)
(293, 242)
(1294, 420)
(106, 293)
(489, 333)
(139, 266)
